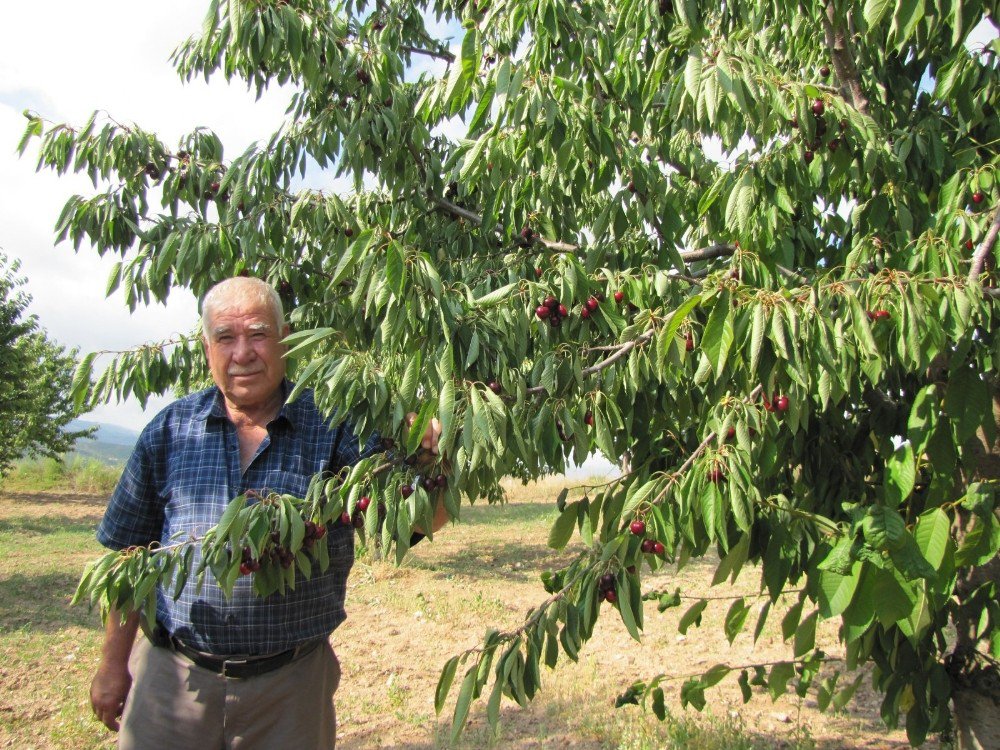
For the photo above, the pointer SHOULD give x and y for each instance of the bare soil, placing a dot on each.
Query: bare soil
(404, 623)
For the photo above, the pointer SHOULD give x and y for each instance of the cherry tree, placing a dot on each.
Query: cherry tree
(747, 250)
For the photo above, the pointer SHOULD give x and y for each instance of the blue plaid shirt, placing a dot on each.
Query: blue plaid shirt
(183, 472)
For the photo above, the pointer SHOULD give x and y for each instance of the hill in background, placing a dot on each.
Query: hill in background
(110, 444)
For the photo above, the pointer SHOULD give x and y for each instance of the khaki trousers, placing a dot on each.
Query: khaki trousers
(176, 705)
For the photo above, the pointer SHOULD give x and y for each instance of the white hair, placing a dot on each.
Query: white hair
(240, 290)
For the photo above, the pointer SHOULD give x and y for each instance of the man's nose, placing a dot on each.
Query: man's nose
(244, 350)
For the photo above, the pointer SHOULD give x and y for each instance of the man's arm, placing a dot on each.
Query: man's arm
(112, 682)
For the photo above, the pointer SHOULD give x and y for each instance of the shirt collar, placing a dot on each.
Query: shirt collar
(215, 406)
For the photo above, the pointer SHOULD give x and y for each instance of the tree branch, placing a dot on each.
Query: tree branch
(842, 57)
(446, 56)
(985, 248)
(620, 352)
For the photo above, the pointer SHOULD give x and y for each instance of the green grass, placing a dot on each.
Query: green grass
(403, 624)
(71, 475)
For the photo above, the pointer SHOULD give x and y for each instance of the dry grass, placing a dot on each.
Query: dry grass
(403, 624)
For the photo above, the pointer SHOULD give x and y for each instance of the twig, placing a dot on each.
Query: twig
(985, 248)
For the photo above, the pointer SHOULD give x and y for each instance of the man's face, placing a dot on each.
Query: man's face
(245, 355)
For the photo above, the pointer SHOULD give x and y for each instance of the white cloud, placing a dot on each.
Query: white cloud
(65, 60)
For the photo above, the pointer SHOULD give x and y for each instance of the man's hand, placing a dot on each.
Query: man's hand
(429, 442)
(108, 692)
(110, 686)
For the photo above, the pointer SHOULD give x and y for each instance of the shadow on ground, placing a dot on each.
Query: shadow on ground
(512, 561)
(21, 526)
(53, 498)
(41, 604)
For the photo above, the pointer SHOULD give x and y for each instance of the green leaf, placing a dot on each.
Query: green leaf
(419, 426)
(692, 616)
(562, 529)
(718, 336)
(395, 273)
(462, 704)
(736, 617)
(715, 675)
(805, 635)
(875, 11)
(836, 591)
(496, 296)
(900, 475)
(933, 532)
(777, 680)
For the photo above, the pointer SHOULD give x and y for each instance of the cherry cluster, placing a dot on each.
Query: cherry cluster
(820, 128)
(552, 310)
(606, 588)
(358, 519)
(649, 546)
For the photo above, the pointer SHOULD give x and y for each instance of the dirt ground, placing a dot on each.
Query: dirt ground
(404, 623)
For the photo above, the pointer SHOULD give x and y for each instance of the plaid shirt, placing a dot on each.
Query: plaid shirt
(183, 472)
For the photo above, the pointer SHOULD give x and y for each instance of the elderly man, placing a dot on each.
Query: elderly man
(245, 672)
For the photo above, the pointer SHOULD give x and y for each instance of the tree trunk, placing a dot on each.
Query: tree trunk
(975, 678)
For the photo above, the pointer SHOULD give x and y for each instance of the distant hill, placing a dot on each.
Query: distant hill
(110, 444)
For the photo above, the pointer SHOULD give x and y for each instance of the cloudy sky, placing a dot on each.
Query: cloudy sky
(64, 60)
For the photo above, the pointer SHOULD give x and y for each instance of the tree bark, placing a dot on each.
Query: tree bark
(975, 678)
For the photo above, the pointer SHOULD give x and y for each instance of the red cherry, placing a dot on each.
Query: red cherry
(593, 304)
(818, 107)
(715, 474)
(647, 546)
(969, 245)
(637, 527)
(730, 433)
(881, 314)
(542, 312)
(406, 490)
(977, 197)
(588, 419)
(584, 312)
(245, 569)
(807, 157)
(563, 312)
(689, 343)
(781, 403)
(610, 596)
(833, 145)
(551, 302)
(345, 518)
(619, 296)
(363, 503)
(538, 273)
(441, 480)
(495, 387)
(658, 548)
(320, 531)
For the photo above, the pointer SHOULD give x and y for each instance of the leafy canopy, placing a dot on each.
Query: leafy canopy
(35, 379)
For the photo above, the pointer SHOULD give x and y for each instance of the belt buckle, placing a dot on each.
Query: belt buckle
(232, 663)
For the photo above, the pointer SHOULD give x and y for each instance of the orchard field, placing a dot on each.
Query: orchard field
(404, 623)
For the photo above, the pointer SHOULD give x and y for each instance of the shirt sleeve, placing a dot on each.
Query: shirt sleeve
(134, 515)
(346, 451)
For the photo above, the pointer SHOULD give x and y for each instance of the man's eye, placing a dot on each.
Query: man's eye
(224, 339)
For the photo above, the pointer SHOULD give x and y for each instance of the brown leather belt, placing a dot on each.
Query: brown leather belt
(239, 668)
